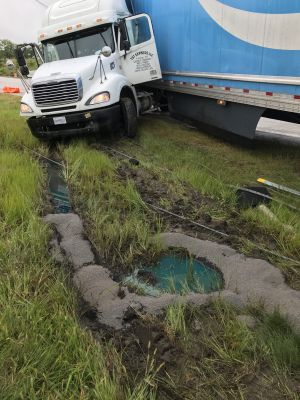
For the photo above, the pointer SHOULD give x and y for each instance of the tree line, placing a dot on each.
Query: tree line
(6, 49)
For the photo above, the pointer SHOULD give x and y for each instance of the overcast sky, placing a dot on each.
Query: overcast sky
(21, 19)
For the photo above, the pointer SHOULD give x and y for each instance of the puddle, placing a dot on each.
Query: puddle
(58, 189)
(176, 274)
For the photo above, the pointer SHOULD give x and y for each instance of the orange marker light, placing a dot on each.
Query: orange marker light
(222, 103)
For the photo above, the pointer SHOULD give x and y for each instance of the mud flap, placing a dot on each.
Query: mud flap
(232, 118)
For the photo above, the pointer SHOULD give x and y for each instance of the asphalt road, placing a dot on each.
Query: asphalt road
(267, 130)
(11, 82)
(278, 131)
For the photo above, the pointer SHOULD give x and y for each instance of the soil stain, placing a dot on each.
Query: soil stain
(183, 365)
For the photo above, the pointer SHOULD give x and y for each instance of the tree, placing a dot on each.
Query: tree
(6, 49)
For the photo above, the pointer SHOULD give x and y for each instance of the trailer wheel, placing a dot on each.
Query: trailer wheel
(129, 117)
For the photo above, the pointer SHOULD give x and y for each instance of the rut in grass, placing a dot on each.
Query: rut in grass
(46, 353)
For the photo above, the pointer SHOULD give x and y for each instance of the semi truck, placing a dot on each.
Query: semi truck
(93, 57)
(227, 63)
(222, 64)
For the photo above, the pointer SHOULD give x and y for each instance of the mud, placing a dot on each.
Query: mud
(113, 304)
(188, 202)
(253, 280)
(137, 327)
(190, 370)
(246, 280)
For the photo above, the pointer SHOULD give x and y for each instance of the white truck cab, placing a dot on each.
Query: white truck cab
(96, 57)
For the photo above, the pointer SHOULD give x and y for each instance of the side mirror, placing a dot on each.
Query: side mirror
(126, 45)
(21, 61)
(24, 70)
(20, 57)
(106, 51)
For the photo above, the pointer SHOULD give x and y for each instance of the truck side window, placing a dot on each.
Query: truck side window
(52, 54)
(138, 30)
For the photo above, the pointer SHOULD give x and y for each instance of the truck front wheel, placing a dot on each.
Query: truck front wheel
(129, 117)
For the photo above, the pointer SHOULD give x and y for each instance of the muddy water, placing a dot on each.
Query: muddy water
(178, 274)
(58, 189)
(181, 273)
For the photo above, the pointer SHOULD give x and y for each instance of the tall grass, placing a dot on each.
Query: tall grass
(227, 360)
(13, 130)
(175, 320)
(283, 344)
(211, 166)
(44, 351)
(116, 216)
(272, 343)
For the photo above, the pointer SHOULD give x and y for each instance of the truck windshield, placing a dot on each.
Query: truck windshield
(80, 44)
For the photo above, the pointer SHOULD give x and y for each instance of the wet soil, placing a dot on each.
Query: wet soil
(183, 372)
(190, 369)
(188, 203)
(192, 205)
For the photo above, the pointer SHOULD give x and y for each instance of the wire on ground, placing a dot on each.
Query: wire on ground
(223, 234)
(187, 220)
(44, 157)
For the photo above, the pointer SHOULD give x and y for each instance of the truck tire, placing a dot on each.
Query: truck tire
(129, 117)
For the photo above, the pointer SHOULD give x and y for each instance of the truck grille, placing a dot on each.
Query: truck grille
(56, 92)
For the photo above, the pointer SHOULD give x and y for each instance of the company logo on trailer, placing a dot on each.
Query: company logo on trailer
(273, 31)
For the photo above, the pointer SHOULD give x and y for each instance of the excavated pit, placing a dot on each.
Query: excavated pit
(210, 270)
(176, 273)
(246, 280)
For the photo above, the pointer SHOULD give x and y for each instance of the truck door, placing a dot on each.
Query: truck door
(140, 62)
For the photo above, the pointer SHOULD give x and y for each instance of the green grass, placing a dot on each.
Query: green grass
(117, 219)
(13, 130)
(175, 320)
(210, 165)
(44, 351)
(272, 343)
(282, 343)
(4, 71)
(226, 360)
(232, 352)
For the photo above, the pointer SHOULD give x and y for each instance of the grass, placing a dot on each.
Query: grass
(4, 71)
(226, 360)
(210, 165)
(45, 353)
(20, 134)
(117, 219)
(250, 351)
(175, 320)
(282, 343)
(121, 228)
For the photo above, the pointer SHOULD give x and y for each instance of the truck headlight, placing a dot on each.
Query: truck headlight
(25, 109)
(103, 97)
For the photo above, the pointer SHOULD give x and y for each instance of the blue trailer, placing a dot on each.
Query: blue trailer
(227, 63)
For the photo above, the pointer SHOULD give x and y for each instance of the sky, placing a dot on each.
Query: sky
(20, 20)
